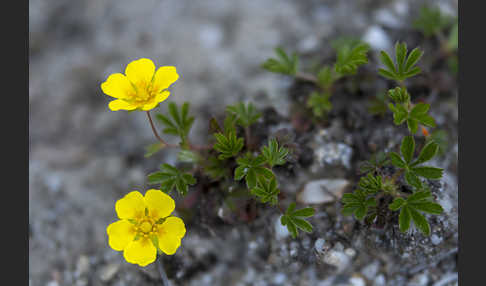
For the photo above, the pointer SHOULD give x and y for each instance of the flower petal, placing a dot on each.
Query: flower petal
(117, 85)
(160, 204)
(120, 233)
(132, 205)
(156, 100)
(165, 76)
(170, 234)
(174, 226)
(141, 70)
(118, 104)
(141, 252)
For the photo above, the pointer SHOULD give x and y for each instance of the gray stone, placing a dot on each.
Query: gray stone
(109, 271)
(322, 191)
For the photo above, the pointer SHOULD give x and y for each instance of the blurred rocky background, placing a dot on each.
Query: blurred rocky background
(84, 157)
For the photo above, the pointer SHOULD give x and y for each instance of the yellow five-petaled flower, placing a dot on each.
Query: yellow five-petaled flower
(141, 87)
(144, 223)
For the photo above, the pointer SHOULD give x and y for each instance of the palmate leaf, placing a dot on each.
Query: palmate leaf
(319, 102)
(228, 145)
(294, 220)
(431, 21)
(245, 115)
(349, 58)
(357, 203)
(215, 169)
(376, 161)
(283, 63)
(250, 167)
(170, 177)
(370, 184)
(411, 167)
(266, 190)
(417, 114)
(411, 208)
(179, 122)
(404, 66)
(273, 154)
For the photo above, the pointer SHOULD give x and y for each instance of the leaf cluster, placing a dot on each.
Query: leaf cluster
(273, 154)
(246, 115)
(249, 167)
(266, 190)
(294, 219)
(350, 57)
(319, 103)
(170, 177)
(413, 167)
(431, 21)
(357, 203)
(178, 122)
(404, 65)
(411, 208)
(283, 64)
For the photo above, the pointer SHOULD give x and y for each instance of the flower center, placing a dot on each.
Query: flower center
(145, 91)
(146, 226)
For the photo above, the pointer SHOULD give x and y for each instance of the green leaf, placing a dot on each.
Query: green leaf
(413, 180)
(302, 224)
(400, 95)
(245, 115)
(425, 119)
(453, 40)
(431, 21)
(188, 156)
(400, 114)
(319, 102)
(357, 203)
(419, 196)
(325, 77)
(427, 153)
(428, 207)
(179, 123)
(305, 212)
(407, 148)
(170, 177)
(152, 149)
(215, 169)
(396, 204)
(350, 58)
(249, 167)
(412, 125)
(428, 172)
(228, 145)
(294, 219)
(419, 109)
(404, 218)
(283, 63)
(370, 184)
(273, 154)
(401, 53)
(404, 66)
(420, 221)
(388, 62)
(397, 161)
(413, 58)
(266, 190)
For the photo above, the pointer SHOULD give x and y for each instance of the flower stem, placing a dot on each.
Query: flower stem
(157, 134)
(163, 275)
(306, 77)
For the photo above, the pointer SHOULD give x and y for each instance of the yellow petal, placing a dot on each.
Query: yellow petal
(120, 233)
(156, 100)
(121, 104)
(117, 85)
(141, 252)
(141, 70)
(132, 205)
(159, 204)
(165, 76)
(170, 235)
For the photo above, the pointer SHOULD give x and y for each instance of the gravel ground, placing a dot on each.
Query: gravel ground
(84, 157)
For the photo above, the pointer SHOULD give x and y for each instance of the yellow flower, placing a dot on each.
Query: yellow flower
(144, 223)
(141, 87)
